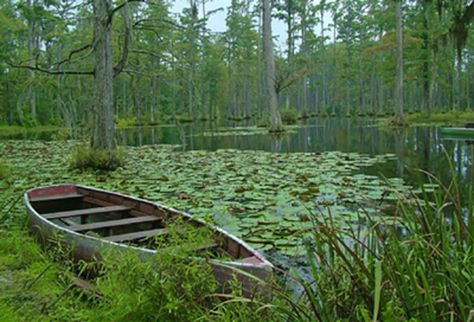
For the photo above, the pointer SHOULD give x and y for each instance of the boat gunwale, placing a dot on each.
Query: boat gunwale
(265, 264)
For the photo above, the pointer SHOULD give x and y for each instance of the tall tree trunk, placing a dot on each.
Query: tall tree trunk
(399, 81)
(275, 119)
(459, 79)
(31, 73)
(304, 48)
(103, 128)
(335, 87)
(289, 30)
(427, 63)
(323, 66)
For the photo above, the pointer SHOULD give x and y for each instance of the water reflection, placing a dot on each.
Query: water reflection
(415, 147)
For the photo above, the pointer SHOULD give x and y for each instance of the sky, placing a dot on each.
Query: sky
(217, 20)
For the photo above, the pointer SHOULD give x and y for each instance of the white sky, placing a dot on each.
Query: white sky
(217, 20)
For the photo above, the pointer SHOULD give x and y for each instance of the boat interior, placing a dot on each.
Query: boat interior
(123, 219)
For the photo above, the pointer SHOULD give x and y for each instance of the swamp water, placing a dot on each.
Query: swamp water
(344, 169)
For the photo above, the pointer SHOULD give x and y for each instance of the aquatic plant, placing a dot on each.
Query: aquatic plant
(84, 157)
(259, 196)
(417, 265)
(289, 115)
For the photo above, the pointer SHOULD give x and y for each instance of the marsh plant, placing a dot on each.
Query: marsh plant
(83, 157)
(417, 265)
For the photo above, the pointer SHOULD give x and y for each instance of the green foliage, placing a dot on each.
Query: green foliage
(62, 135)
(171, 286)
(84, 157)
(416, 265)
(13, 131)
(289, 115)
(271, 188)
(396, 122)
(4, 170)
(125, 122)
(444, 119)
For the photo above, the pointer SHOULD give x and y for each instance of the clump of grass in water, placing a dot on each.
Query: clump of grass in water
(84, 157)
(417, 265)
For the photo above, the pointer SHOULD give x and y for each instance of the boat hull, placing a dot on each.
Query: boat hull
(458, 131)
(90, 248)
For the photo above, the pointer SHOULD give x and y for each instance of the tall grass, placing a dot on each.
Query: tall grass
(415, 265)
(84, 157)
(172, 286)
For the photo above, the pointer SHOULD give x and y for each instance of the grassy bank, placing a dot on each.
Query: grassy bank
(9, 131)
(36, 286)
(452, 118)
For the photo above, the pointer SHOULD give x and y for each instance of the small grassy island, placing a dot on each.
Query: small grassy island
(329, 140)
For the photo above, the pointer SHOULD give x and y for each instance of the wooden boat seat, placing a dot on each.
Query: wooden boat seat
(136, 235)
(56, 197)
(114, 223)
(85, 212)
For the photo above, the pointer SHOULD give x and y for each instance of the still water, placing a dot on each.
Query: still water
(415, 148)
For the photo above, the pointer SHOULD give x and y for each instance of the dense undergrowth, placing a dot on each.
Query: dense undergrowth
(36, 286)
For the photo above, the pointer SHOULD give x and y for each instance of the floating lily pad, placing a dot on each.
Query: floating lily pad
(268, 199)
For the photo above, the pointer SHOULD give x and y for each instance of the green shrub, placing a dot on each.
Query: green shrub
(126, 122)
(62, 135)
(289, 115)
(84, 157)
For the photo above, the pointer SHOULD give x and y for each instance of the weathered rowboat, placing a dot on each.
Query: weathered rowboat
(90, 220)
(458, 131)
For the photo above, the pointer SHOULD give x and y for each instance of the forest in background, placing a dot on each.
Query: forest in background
(340, 59)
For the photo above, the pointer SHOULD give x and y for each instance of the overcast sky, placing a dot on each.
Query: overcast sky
(217, 20)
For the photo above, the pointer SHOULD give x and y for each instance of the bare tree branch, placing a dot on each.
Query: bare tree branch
(52, 72)
(167, 21)
(72, 53)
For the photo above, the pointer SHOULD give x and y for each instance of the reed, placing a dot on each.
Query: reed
(415, 265)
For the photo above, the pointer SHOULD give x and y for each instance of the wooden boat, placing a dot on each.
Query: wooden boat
(458, 131)
(90, 220)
